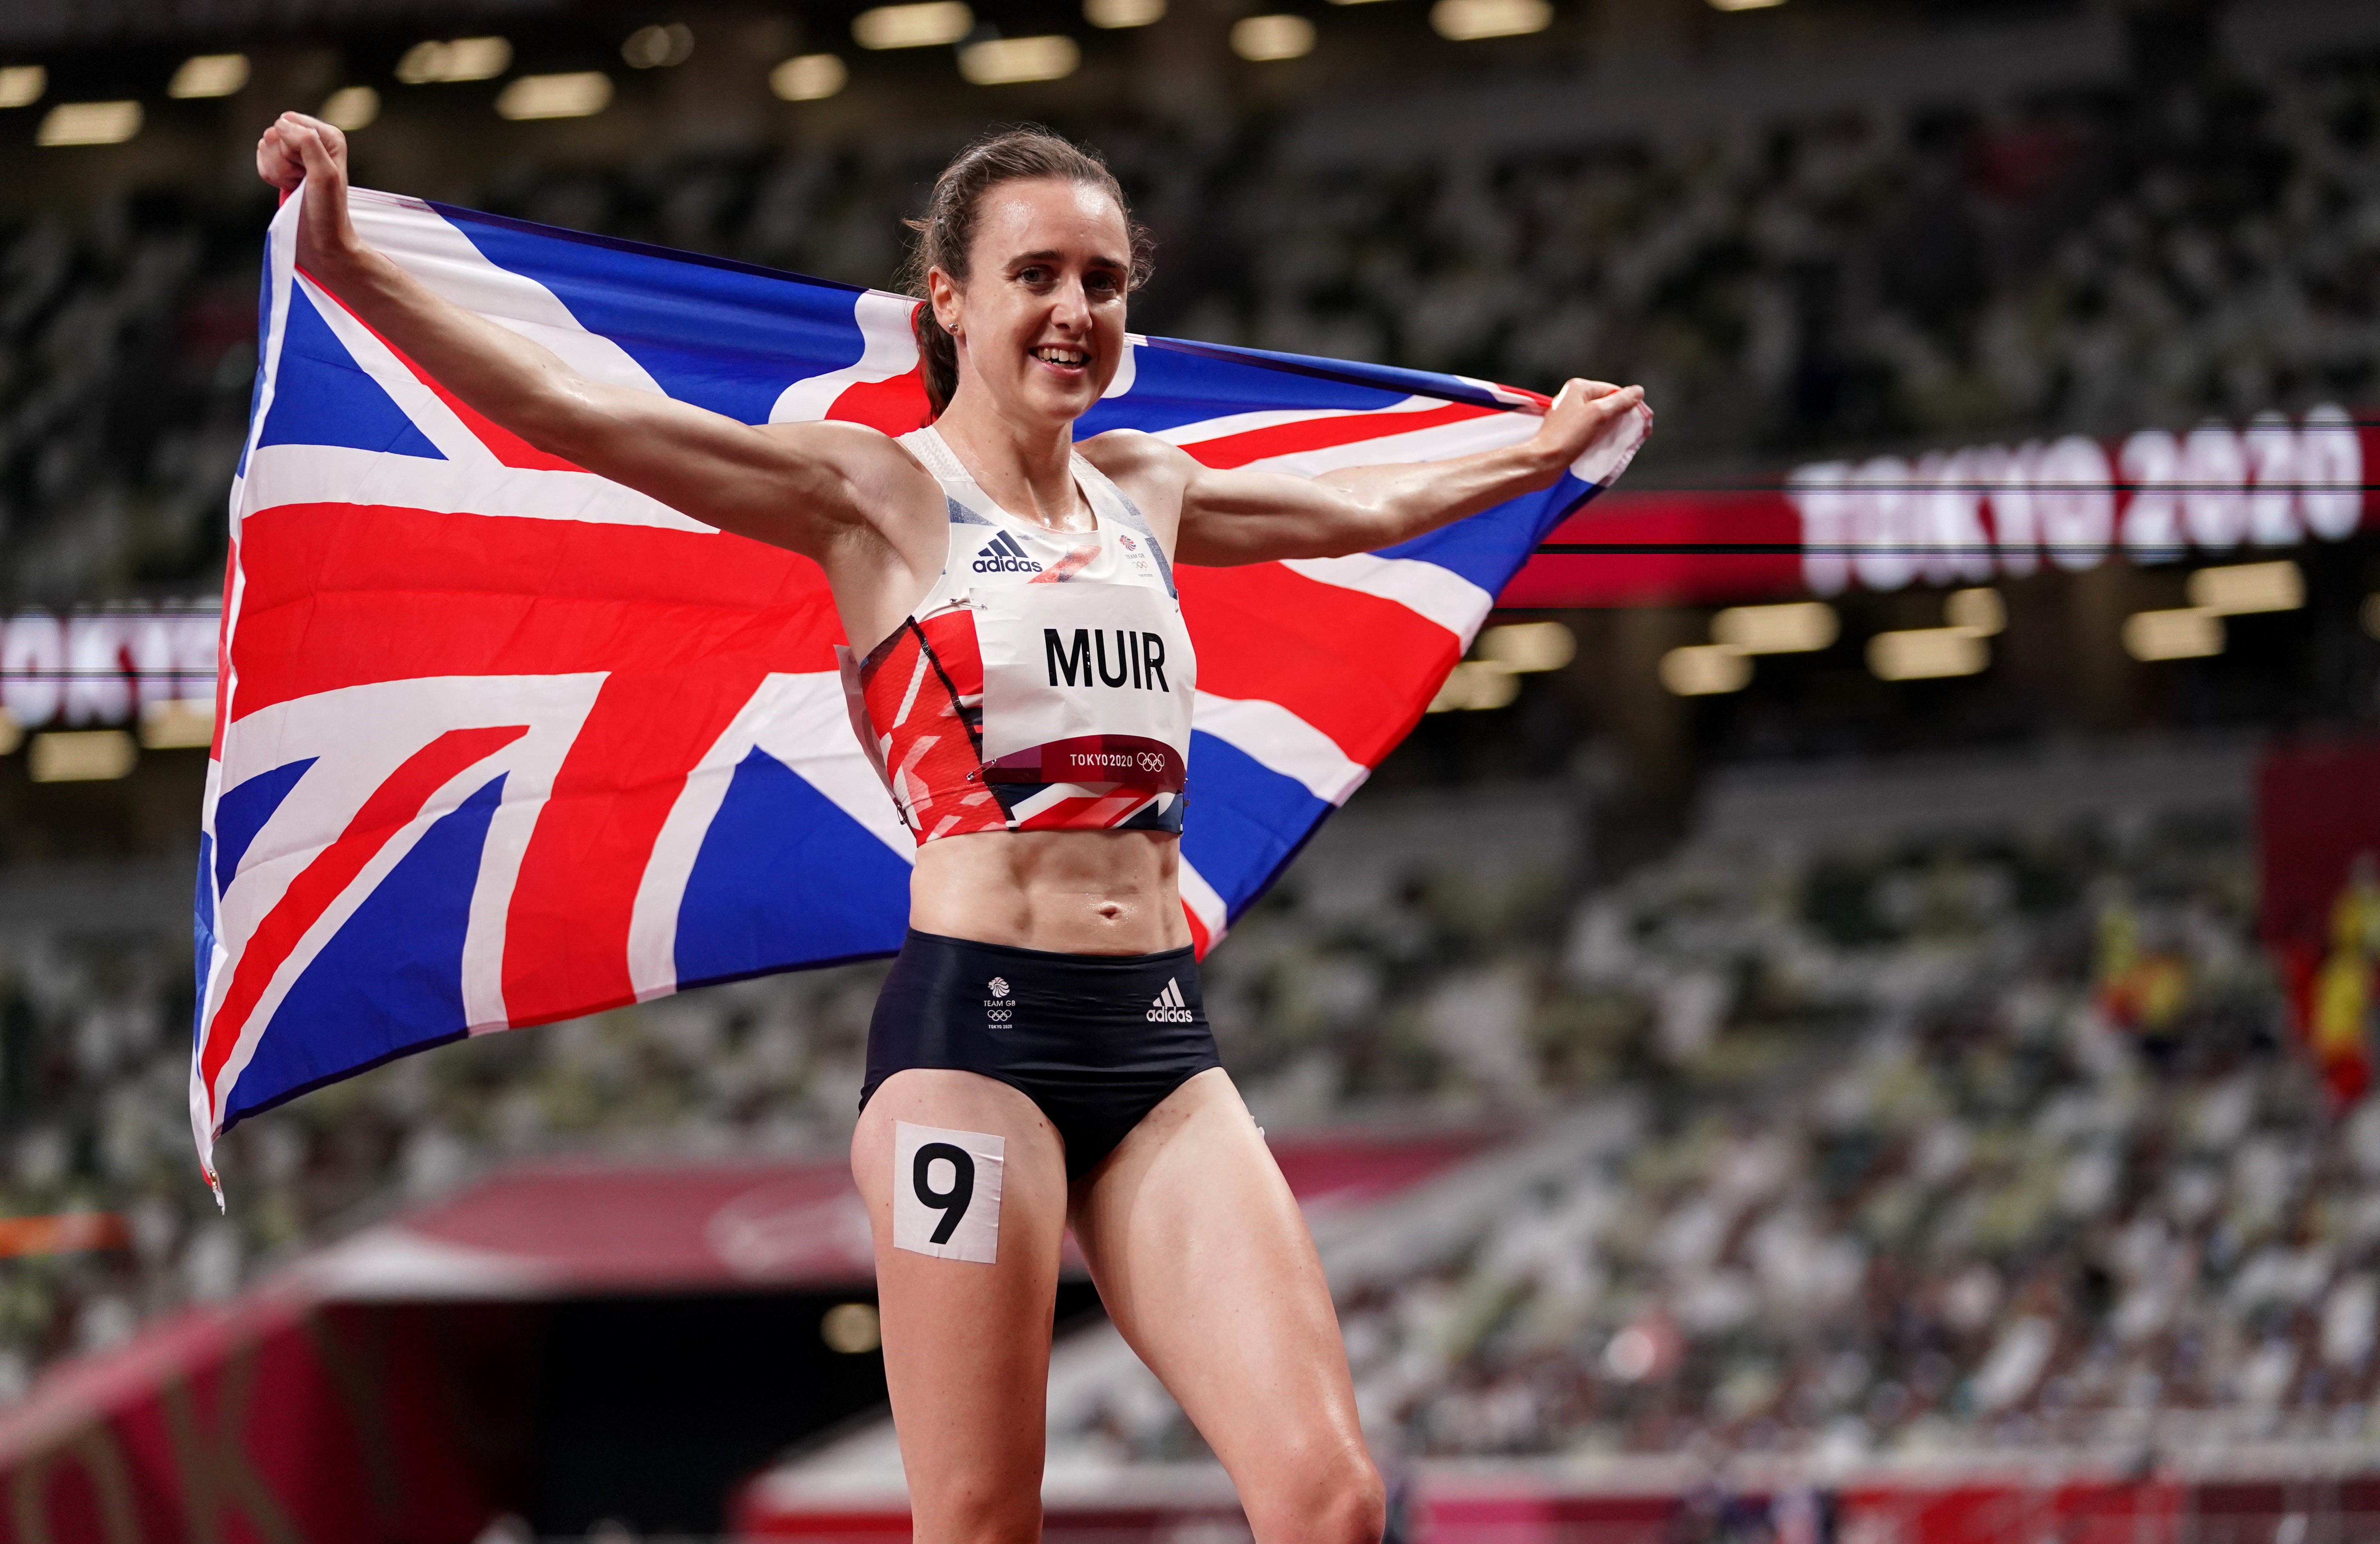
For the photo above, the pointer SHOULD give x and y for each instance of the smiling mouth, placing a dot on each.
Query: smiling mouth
(1068, 358)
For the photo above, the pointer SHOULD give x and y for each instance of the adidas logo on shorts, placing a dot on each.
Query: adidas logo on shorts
(1004, 554)
(1169, 1008)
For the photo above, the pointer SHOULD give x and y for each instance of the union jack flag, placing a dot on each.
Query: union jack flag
(498, 741)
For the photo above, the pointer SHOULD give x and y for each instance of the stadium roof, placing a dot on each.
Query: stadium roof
(55, 23)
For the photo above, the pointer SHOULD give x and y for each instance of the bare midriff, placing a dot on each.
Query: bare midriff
(1070, 892)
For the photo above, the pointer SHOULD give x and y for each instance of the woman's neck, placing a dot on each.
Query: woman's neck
(1027, 469)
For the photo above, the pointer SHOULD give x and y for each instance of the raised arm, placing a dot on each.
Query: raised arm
(801, 486)
(1239, 517)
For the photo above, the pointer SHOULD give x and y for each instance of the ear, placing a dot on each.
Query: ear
(942, 293)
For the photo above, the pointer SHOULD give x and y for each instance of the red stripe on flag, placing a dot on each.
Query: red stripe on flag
(895, 406)
(391, 806)
(342, 595)
(1284, 439)
(1358, 667)
(566, 931)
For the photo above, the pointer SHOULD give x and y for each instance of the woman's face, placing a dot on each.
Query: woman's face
(1040, 320)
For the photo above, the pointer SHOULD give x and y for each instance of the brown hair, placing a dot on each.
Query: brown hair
(945, 235)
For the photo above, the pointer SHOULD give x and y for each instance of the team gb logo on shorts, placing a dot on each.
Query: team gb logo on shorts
(1000, 986)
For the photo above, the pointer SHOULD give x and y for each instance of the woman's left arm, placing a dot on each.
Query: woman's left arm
(1239, 517)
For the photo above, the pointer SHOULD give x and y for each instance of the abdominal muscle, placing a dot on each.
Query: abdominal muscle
(1069, 892)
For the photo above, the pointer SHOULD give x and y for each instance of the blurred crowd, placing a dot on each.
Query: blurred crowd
(2095, 261)
(1961, 1146)
(94, 1077)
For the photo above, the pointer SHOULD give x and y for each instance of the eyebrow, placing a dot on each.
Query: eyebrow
(1053, 255)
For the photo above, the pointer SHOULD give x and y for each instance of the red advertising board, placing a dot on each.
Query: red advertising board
(1967, 516)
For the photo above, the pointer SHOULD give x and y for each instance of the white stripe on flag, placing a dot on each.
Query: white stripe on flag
(1282, 741)
(1440, 594)
(1439, 442)
(886, 348)
(1204, 903)
(336, 474)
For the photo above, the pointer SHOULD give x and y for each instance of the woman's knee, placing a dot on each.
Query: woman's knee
(1335, 1499)
(989, 1514)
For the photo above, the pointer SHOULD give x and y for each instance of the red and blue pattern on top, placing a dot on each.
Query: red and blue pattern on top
(500, 742)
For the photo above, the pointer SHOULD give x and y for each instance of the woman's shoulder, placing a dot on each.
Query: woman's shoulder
(1132, 455)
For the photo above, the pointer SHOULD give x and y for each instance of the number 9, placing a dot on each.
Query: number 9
(950, 1203)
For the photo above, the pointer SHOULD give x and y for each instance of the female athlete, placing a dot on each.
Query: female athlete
(1040, 1056)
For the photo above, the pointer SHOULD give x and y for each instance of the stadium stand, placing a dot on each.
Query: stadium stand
(1852, 277)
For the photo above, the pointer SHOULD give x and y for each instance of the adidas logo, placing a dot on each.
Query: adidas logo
(1169, 1008)
(1004, 554)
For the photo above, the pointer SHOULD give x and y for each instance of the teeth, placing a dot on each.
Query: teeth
(1059, 356)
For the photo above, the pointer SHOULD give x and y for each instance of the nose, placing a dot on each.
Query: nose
(1072, 308)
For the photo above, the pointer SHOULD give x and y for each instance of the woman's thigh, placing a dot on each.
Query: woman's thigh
(966, 1339)
(1204, 1262)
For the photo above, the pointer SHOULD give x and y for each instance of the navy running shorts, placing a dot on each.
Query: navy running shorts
(1096, 1040)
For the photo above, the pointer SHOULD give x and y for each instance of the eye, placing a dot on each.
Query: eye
(1033, 273)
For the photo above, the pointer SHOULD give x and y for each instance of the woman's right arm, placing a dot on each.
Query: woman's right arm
(800, 486)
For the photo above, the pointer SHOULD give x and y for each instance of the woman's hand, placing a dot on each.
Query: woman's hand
(1582, 410)
(299, 148)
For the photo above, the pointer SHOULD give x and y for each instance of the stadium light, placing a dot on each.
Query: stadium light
(2369, 615)
(1524, 646)
(81, 756)
(205, 75)
(579, 94)
(1476, 685)
(1115, 14)
(1262, 39)
(180, 725)
(1927, 654)
(852, 1329)
(1012, 61)
(90, 123)
(2243, 588)
(1704, 670)
(659, 47)
(928, 24)
(1794, 627)
(1468, 20)
(1980, 612)
(808, 78)
(22, 85)
(456, 59)
(1744, 5)
(2186, 634)
(351, 107)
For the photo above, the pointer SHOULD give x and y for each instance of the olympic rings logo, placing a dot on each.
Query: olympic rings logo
(1151, 762)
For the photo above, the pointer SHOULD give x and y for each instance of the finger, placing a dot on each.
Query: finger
(277, 160)
(317, 154)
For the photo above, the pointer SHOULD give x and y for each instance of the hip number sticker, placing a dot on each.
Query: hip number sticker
(946, 1192)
